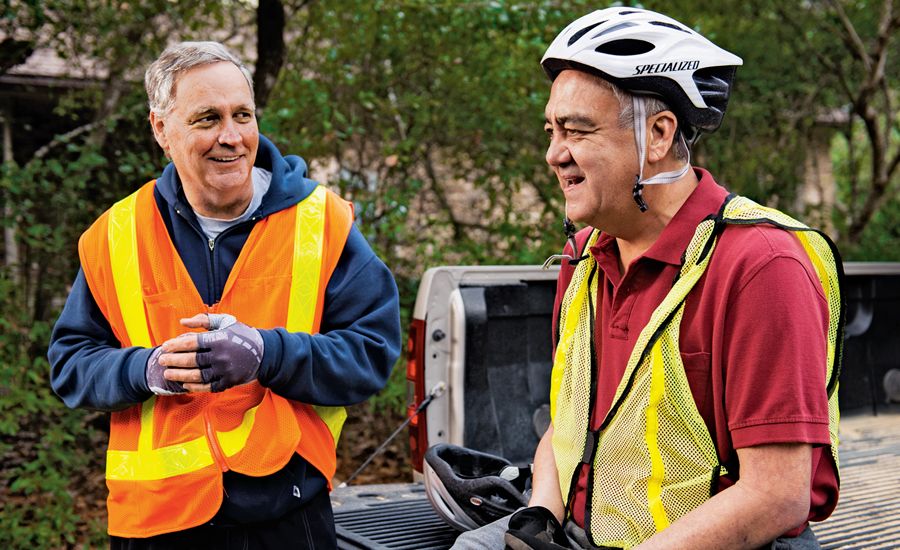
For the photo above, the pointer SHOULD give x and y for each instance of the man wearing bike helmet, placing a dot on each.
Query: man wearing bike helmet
(698, 334)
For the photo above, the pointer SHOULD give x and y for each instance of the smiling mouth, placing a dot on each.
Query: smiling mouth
(572, 182)
(225, 159)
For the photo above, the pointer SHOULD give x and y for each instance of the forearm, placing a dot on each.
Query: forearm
(88, 368)
(765, 503)
(545, 479)
(101, 378)
(338, 368)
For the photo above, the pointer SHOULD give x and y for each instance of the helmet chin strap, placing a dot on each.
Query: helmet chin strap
(640, 138)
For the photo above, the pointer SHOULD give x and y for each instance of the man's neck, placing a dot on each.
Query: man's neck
(221, 208)
(664, 201)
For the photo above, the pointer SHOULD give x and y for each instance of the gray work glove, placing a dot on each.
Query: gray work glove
(229, 354)
(155, 380)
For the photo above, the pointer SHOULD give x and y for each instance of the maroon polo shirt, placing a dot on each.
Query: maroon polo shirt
(753, 338)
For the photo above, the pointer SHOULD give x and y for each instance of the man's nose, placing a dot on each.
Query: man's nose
(229, 134)
(557, 153)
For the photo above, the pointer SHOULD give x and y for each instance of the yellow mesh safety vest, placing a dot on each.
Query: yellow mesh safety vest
(653, 458)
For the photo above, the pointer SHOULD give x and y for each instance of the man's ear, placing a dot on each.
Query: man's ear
(158, 125)
(661, 135)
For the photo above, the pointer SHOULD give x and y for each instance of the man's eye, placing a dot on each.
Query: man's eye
(243, 116)
(208, 119)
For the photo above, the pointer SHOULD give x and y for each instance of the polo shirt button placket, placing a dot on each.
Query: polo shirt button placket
(621, 314)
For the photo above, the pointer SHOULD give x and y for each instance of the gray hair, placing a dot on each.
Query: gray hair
(654, 105)
(159, 79)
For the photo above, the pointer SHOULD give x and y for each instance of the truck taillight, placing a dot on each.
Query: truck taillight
(415, 376)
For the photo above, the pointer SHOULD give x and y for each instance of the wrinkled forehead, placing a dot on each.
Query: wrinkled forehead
(214, 83)
(577, 93)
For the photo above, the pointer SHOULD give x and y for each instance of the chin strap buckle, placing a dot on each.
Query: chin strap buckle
(569, 229)
(637, 193)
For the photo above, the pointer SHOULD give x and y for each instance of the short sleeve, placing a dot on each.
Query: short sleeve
(775, 353)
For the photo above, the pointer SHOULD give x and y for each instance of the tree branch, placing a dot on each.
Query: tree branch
(876, 77)
(829, 65)
(855, 42)
(892, 166)
(439, 193)
(64, 138)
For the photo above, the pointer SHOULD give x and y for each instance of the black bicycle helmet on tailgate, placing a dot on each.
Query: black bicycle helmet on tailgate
(469, 489)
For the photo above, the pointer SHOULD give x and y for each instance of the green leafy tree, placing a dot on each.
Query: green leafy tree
(828, 68)
(412, 109)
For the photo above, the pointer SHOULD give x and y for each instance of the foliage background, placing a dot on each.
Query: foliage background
(428, 115)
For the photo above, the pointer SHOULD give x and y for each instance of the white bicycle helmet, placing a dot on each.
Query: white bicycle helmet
(469, 489)
(645, 52)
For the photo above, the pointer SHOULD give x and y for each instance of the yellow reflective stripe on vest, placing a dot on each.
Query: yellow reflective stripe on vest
(309, 238)
(654, 484)
(147, 463)
(826, 281)
(145, 438)
(122, 238)
(155, 464)
(234, 440)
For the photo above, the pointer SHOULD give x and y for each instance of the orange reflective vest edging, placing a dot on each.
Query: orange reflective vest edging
(166, 455)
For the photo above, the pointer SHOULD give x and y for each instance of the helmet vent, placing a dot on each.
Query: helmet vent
(583, 32)
(614, 28)
(628, 12)
(625, 47)
(670, 25)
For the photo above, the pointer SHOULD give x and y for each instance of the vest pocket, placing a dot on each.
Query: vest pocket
(165, 309)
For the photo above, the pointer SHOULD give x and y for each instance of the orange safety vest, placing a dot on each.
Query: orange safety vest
(166, 455)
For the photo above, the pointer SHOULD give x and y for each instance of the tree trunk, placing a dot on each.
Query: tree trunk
(10, 247)
(816, 196)
(269, 48)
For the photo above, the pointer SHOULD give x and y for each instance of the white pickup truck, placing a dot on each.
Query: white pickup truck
(480, 343)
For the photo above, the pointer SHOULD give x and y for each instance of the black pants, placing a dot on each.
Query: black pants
(309, 527)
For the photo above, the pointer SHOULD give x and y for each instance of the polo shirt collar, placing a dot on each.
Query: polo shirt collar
(706, 199)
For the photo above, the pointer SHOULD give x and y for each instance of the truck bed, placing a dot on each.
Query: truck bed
(868, 512)
(399, 516)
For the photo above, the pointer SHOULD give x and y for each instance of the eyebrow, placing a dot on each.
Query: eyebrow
(210, 109)
(580, 120)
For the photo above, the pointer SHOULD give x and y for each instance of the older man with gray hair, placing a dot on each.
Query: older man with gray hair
(224, 313)
(698, 334)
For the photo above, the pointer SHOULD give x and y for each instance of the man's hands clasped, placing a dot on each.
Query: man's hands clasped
(228, 355)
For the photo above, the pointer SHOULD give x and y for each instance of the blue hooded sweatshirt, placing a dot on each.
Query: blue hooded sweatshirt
(349, 360)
